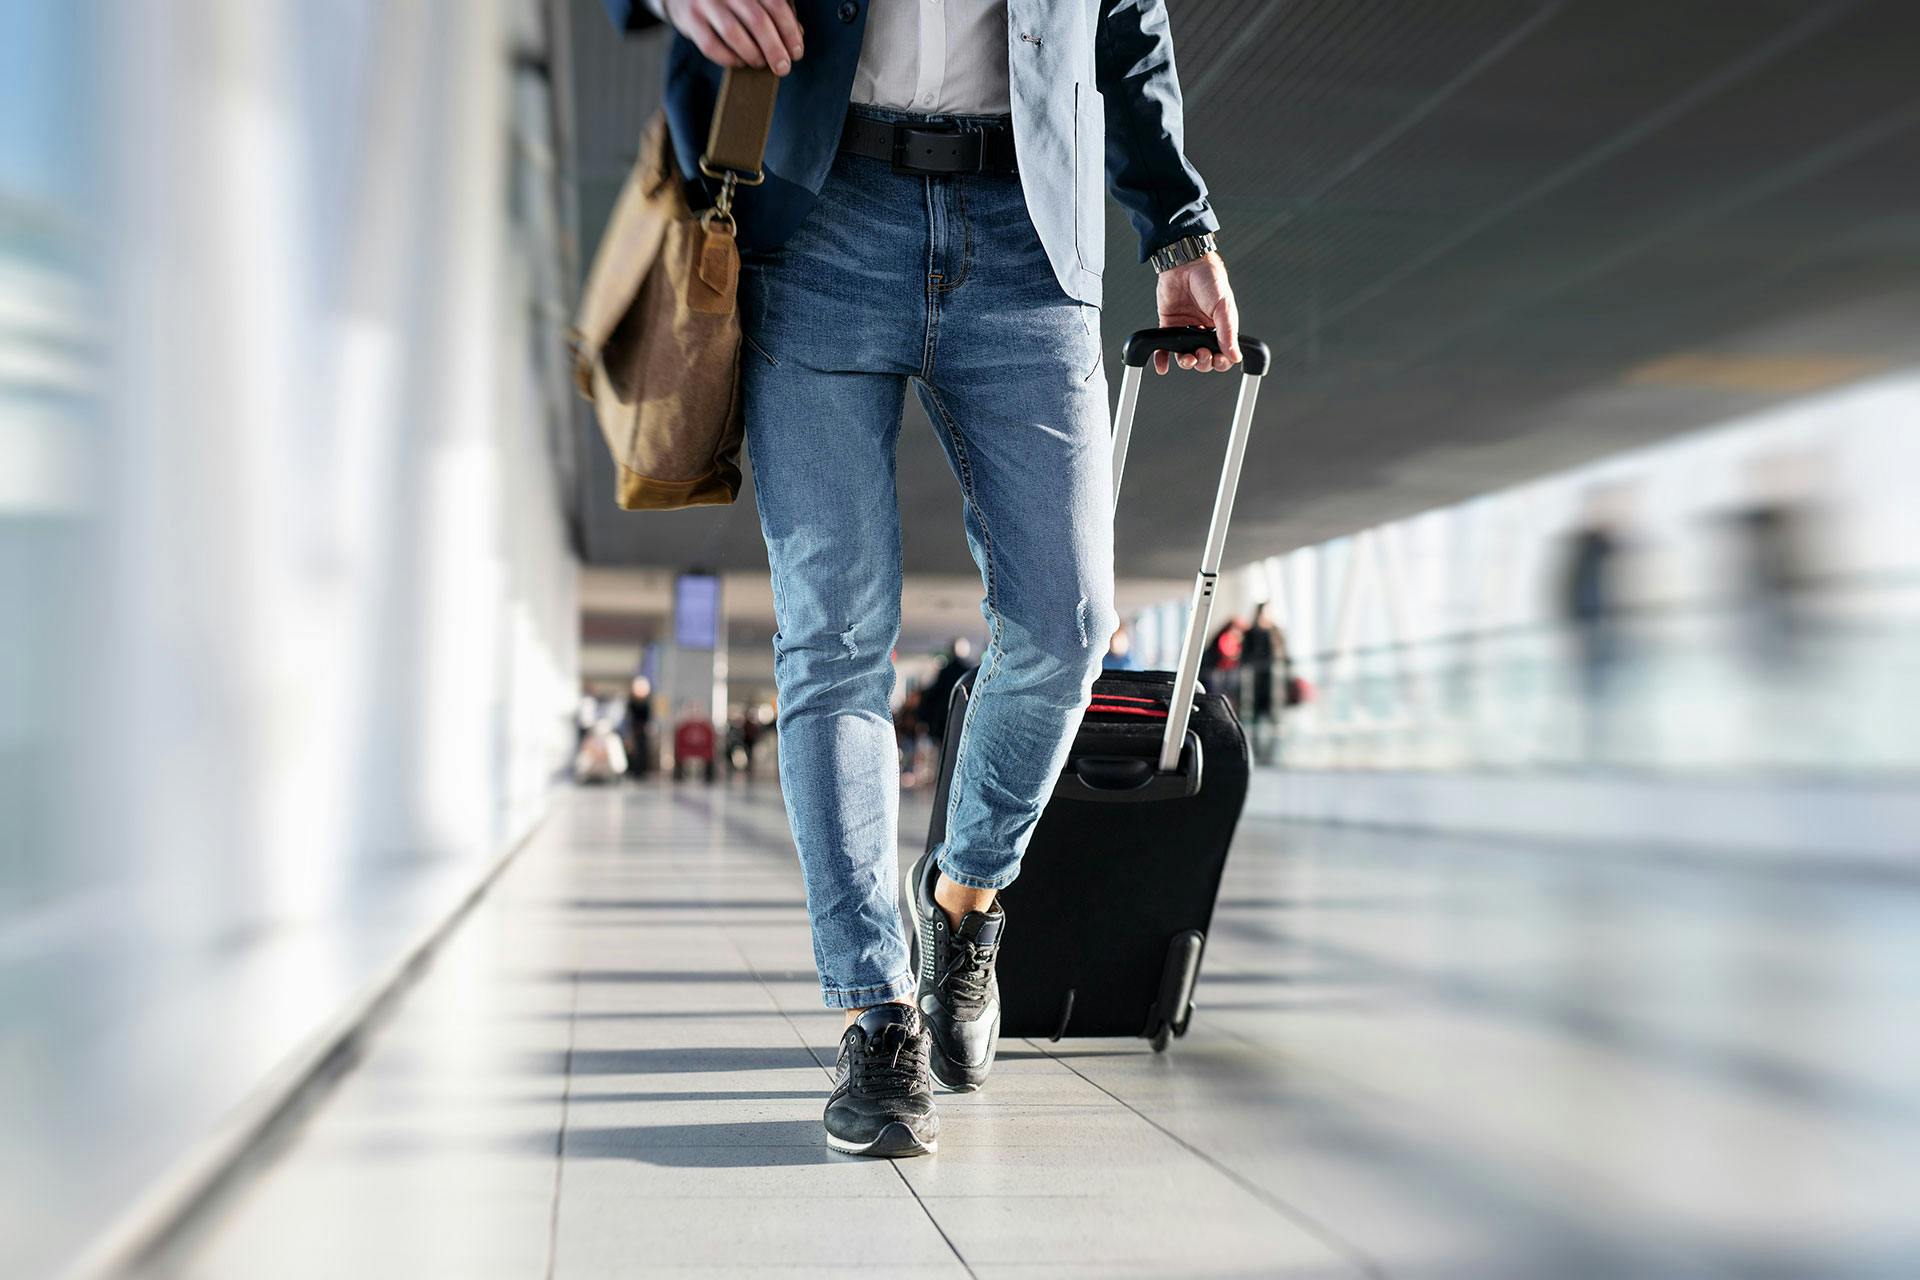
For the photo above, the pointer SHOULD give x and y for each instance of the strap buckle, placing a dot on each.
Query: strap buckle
(722, 210)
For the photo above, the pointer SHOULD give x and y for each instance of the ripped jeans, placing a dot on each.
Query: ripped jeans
(942, 283)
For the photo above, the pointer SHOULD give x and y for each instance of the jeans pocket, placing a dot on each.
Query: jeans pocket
(751, 305)
(746, 340)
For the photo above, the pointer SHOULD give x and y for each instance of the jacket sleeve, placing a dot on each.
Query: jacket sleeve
(1147, 168)
(633, 15)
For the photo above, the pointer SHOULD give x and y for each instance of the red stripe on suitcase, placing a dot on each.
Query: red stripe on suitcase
(1098, 709)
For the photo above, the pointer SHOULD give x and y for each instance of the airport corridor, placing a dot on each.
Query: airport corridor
(1412, 1056)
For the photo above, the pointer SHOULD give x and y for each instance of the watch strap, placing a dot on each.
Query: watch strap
(1182, 251)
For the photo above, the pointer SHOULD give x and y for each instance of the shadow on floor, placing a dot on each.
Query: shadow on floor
(630, 1015)
(740, 1145)
(670, 977)
(1069, 1051)
(635, 1062)
(721, 1095)
(684, 904)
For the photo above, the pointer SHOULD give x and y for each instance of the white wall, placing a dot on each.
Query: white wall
(288, 603)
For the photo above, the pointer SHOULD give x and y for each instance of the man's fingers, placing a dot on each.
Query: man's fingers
(1226, 325)
(746, 51)
(1160, 362)
(708, 42)
(789, 27)
(766, 38)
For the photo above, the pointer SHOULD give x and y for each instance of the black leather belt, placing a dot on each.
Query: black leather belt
(940, 149)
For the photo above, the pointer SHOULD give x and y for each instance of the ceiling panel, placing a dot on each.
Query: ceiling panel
(1462, 224)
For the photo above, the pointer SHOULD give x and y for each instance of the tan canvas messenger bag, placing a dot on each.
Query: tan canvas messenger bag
(656, 344)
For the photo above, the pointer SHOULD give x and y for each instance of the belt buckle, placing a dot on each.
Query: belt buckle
(967, 154)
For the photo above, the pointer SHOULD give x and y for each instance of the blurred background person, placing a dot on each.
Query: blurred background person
(743, 740)
(1120, 655)
(1776, 558)
(1220, 664)
(638, 727)
(910, 736)
(586, 715)
(1263, 652)
(602, 757)
(1590, 605)
(934, 699)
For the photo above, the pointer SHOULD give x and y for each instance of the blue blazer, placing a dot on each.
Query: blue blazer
(1096, 107)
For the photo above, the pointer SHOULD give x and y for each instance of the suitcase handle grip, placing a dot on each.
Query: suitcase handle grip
(1187, 339)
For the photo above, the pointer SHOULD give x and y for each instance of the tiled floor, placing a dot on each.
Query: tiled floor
(1412, 1057)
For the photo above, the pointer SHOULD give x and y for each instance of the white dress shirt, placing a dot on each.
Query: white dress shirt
(930, 56)
(935, 57)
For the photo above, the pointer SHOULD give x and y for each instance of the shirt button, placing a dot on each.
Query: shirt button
(849, 11)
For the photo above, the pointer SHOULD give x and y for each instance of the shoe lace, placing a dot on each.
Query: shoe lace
(968, 970)
(893, 1064)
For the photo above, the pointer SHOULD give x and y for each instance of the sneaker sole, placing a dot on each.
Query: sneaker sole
(893, 1142)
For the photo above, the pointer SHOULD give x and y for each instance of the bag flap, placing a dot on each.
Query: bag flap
(649, 203)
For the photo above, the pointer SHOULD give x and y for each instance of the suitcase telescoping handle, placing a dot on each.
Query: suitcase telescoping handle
(1254, 359)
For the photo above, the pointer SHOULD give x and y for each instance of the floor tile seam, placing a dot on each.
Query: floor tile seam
(1337, 1243)
(805, 1044)
(560, 1138)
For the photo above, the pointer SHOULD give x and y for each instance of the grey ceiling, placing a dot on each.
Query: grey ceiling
(1459, 223)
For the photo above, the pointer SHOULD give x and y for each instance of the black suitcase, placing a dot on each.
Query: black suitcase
(1116, 891)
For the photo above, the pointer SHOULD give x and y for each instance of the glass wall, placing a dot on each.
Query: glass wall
(288, 623)
(1745, 598)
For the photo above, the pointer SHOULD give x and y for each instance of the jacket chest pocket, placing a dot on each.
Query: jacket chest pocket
(1090, 177)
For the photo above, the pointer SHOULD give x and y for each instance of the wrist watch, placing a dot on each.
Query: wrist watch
(1182, 251)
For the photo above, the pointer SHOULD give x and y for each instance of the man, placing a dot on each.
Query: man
(933, 214)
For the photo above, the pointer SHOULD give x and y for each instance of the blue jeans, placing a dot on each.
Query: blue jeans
(941, 283)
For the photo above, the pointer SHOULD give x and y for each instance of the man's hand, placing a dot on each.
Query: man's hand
(1197, 292)
(741, 33)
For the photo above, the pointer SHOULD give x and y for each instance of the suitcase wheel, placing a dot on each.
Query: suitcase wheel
(1174, 1007)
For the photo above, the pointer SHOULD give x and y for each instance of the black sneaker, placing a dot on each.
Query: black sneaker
(882, 1104)
(957, 992)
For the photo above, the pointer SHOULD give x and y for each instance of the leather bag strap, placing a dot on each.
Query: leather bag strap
(742, 119)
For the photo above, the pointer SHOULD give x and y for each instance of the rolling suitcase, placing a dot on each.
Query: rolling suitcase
(1116, 891)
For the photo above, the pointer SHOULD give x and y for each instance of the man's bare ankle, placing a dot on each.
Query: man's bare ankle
(956, 900)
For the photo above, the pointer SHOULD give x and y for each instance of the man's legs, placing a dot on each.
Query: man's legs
(836, 323)
(822, 446)
(1014, 388)
(1018, 397)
